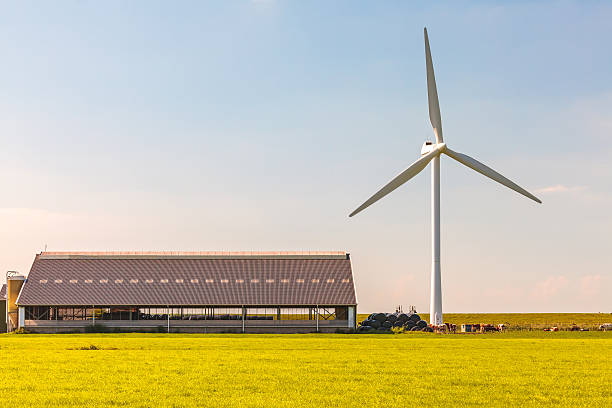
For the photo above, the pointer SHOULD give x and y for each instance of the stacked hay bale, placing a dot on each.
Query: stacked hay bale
(389, 321)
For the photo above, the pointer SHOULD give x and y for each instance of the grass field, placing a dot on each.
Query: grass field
(524, 320)
(416, 369)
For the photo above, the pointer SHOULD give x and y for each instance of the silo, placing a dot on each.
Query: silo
(14, 282)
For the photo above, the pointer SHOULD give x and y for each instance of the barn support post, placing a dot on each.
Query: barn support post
(168, 310)
(21, 317)
(93, 314)
(243, 317)
(351, 317)
(317, 313)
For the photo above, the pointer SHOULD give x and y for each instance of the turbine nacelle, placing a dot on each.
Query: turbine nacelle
(429, 147)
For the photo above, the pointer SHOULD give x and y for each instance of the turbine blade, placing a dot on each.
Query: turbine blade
(489, 172)
(414, 169)
(432, 94)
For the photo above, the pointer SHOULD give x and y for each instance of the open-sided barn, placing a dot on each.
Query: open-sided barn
(186, 291)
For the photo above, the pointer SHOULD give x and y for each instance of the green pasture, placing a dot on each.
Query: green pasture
(313, 370)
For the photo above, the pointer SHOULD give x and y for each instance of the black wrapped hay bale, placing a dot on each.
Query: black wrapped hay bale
(380, 317)
(385, 322)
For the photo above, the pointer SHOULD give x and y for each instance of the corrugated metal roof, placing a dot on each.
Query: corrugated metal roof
(107, 279)
(3, 291)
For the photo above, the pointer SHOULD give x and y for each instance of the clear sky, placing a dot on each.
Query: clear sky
(260, 125)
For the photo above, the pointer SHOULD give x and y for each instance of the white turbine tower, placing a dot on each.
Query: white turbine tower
(431, 152)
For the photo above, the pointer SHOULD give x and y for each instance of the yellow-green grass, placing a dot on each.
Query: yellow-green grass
(524, 320)
(334, 370)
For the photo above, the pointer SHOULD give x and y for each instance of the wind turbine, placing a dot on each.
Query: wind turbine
(431, 152)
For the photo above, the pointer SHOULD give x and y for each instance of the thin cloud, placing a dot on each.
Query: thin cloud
(549, 287)
(560, 188)
(590, 285)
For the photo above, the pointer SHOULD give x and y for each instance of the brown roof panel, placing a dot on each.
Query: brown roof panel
(105, 280)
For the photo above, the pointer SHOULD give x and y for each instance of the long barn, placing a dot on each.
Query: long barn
(184, 292)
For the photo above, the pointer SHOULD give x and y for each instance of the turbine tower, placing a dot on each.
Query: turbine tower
(431, 152)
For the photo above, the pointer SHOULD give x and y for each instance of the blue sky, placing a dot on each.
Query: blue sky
(259, 125)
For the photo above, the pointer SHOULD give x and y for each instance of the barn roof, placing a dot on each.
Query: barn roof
(3, 291)
(189, 278)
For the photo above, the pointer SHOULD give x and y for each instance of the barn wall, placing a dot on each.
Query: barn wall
(272, 326)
